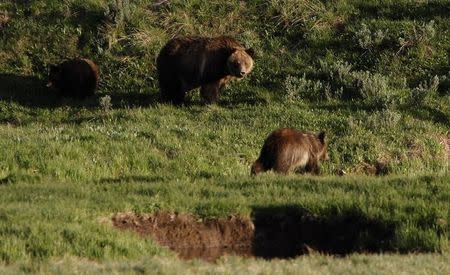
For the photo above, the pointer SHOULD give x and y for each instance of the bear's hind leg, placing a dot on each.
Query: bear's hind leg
(281, 166)
(178, 98)
(171, 91)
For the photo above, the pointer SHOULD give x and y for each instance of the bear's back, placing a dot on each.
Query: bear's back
(79, 77)
(288, 148)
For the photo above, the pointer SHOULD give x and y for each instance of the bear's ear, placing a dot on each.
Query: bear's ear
(321, 137)
(251, 52)
(229, 51)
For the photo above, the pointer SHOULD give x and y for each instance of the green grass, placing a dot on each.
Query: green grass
(47, 218)
(373, 74)
(88, 144)
(356, 264)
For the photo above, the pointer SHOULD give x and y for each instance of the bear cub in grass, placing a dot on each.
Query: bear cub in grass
(76, 78)
(186, 63)
(286, 150)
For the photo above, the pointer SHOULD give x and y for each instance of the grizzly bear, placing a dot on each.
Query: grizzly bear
(76, 78)
(286, 150)
(186, 63)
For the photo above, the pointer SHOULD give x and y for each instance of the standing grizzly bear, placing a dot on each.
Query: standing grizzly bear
(186, 63)
(77, 78)
(287, 150)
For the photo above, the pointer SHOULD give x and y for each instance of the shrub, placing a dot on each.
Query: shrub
(105, 103)
(384, 119)
(338, 70)
(368, 39)
(375, 90)
(340, 82)
(117, 11)
(424, 90)
(420, 34)
(340, 77)
(302, 88)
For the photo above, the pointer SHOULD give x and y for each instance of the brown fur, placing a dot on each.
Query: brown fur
(186, 63)
(76, 78)
(286, 150)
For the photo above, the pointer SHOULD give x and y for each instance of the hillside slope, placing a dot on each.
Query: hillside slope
(375, 75)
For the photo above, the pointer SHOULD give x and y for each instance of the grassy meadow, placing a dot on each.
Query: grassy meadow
(373, 74)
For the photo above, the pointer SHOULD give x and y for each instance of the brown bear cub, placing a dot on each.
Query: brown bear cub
(186, 63)
(76, 78)
(286, 150)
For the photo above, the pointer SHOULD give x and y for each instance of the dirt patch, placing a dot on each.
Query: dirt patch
(191, 237)
(276, 232)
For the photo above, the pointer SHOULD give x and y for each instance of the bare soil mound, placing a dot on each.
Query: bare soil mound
(273, 232)
(191, 237)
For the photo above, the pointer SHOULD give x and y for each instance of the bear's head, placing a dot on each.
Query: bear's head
(54, 76)
(256, 168)
(322, 154)
(240, 62)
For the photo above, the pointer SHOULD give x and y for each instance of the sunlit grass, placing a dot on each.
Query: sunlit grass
(374, 75)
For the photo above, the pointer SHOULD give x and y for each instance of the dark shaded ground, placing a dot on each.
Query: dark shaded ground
(275, 232)
(290, 231)
(413, 10)
(26, 91)
(32, 92)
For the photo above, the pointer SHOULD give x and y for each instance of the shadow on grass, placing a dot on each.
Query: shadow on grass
(422, 112)
(4, 181)
(31, 91)
(414, 10)
(26, 90)
(428, 113)
(227, 98)
(290, 231)
(251, 101)
(125, 179)
(350, 106)
(122, 100)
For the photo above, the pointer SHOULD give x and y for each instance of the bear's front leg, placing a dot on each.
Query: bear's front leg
(210, 92)
(313, 166)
